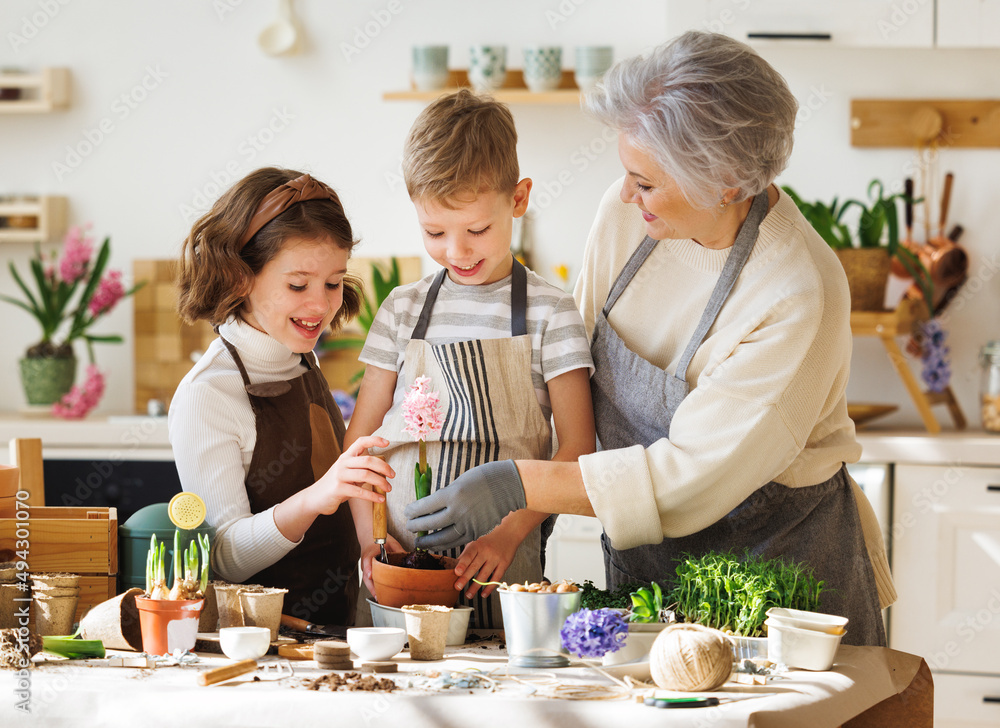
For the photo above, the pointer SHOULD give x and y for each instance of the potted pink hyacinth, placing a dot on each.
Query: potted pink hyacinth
(418, 577)
(67, 295)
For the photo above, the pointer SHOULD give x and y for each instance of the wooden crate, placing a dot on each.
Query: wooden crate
(74, 540)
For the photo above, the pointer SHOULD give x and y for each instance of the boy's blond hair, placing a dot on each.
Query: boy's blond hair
(459, 144)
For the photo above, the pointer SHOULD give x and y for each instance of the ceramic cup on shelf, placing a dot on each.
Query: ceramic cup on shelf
(487, 67)
(592, 62)
(542, 67)
(430, 67)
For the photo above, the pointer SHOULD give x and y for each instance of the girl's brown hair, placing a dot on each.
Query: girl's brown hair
(216, 274)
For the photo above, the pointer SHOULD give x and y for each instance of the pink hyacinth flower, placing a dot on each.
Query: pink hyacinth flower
(81, 399)
(422, 410)
(109, 292)
(75, 260)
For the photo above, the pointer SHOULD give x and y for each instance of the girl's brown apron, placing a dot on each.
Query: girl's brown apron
(292, 453)
(491, 414)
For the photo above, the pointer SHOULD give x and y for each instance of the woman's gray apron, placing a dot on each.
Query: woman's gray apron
(634, 403)
(491, 413)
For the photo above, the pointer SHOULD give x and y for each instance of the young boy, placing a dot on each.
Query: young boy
(488, 332)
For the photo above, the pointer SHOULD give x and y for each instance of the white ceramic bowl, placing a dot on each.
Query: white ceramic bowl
(807, 649)
(376, 643)
(458, 627)
(244, 643)
(829, 623)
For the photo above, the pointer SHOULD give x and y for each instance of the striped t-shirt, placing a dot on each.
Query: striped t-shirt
(559, 342)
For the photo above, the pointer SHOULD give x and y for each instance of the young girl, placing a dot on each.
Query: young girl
(254, 429)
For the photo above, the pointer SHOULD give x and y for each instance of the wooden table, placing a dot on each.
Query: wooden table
(868, 686)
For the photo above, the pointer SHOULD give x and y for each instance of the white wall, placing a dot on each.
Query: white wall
(213, 93)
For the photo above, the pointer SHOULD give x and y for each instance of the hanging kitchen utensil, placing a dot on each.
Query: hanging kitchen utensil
(282, 36)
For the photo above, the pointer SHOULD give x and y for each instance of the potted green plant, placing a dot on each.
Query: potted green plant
(418, 577)
(733, 594)
(866, 254)
(68, 296)
(168, 616)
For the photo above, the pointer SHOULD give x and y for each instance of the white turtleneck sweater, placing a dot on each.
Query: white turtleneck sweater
(213, 432)
(767, 386)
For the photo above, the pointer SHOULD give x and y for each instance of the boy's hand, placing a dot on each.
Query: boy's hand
(346, 477)
(486, 559)
(372, 551)
(469, 508)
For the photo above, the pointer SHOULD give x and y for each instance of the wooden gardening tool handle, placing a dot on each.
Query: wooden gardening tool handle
(945, 201)
(379, 517)
(226, 672)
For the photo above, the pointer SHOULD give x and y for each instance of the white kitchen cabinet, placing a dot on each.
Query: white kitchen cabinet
(946, 565)
(858, 23)
(968, 23)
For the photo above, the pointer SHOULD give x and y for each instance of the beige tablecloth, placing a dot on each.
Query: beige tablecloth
(71, 694)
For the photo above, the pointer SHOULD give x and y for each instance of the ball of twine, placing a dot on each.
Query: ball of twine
(691, 658)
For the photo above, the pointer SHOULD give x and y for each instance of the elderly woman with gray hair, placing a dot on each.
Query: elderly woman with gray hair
(721, 336)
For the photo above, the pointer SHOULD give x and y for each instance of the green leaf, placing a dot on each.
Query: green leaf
(104, 339)
(72, 648)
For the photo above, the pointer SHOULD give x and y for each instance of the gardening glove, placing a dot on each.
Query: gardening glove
(469, 508)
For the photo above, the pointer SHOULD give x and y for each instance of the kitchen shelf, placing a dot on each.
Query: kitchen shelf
(41, 92)
(887, 325)
(513, 91)
(908, 123)
(50, 219)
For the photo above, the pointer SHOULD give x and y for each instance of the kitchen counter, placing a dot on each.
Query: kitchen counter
(125, 437)
(917, 447)
(63, 695)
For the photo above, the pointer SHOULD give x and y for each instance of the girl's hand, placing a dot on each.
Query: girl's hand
(346, 477)
(486, 559)
(371, 551)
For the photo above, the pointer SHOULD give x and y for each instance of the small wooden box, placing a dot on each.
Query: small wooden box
(73, 540)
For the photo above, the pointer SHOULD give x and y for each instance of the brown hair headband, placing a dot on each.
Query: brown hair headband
(280, 199)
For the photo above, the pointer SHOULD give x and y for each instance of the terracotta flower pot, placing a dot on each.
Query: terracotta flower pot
(168, 624)
(396, 586)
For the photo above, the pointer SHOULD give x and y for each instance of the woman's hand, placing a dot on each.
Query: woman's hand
(346, 477)
(371, 551)
(486, 559)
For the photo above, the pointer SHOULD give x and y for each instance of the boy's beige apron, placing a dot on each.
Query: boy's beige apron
(491, 413)
(291, 453)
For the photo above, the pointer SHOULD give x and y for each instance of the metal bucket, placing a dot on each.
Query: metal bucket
(531, 624)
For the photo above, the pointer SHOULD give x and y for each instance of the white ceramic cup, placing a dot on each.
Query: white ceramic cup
(487, 67)
(430, 67)
(542, 67)
(592, 62)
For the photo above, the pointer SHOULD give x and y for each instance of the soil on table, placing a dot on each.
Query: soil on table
(351, 681)
(422, 560)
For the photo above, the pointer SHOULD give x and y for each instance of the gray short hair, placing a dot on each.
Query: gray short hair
(708, 110)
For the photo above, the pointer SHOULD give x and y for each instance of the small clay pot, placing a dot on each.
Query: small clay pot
(209, 620)
(427, 629)
(7, 611)
(396, 586)
(227, 601)
(54, 579)
(54, 615)
(262, 608)
(168, 624)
